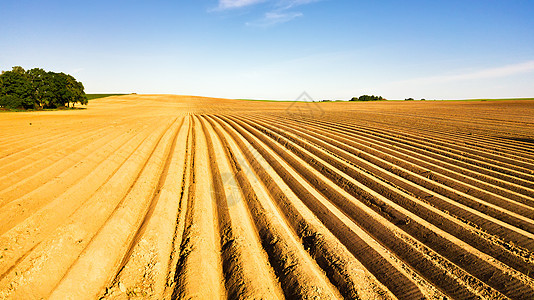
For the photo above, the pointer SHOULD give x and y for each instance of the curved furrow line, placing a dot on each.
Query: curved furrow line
(200, 246)
(480, 148)
(439, 241)
(491, 117)
(376, 226)
(17, 185)
(143, 271)
(517, 175)
(454, 120)
(179, 224)
(480, 142)
(299, 276)
(27, 145)
(479, 174)
(245, 264)
(22, 241)
(437, 166)
(24, 141)
(410, 161)
(462, 143)
(103, 253)
(420, 208)
(18, 209)
(64, 224)
(421, 186)
(37, 160)
(519, 150)
(350, 277)
(371, 118)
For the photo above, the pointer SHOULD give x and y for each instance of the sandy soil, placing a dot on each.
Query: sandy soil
(162, 197)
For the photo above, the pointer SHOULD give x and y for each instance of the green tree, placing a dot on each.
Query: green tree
(15, 89)
(38, 85)
(368, 98)
(10, 101)
(37, 88)
(75, 91)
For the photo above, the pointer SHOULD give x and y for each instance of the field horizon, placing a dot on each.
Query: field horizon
(97, 96)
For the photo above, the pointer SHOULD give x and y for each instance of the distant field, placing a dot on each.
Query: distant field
(180, 197)
(96, 96)
(482, 99)
(260, 100)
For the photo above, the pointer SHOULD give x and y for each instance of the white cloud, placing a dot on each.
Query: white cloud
(278, 14)
(505, 81)
(287, 4)
(273, 18)
(503, 71)
(229, 4)
(280, 4)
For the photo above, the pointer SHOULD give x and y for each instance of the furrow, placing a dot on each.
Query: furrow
(18, 185)
(199, 272)
(41, 159)
(100, 260)
(351, 235)
(299, 276)
(514, 150)
(420, 229)
(419, 189)
(462, 159)
(408, 160)
(437, 140)
(64, 223)
(421, 208)
(18, 209)
(348, 274)
(245, 264)
(479, 174)
(180, 222)
(143, 271)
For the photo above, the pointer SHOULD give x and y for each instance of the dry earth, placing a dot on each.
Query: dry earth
(188, 197)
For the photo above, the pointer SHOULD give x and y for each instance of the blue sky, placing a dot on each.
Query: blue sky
(276, 49)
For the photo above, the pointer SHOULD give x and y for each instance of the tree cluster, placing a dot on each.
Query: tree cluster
(367, 98)
(38, 89)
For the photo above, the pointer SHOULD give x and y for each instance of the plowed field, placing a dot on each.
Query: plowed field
(188, 197)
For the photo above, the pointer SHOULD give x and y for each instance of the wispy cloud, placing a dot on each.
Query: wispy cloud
(279, 4)
(281, 11)
(274, 18)
(497, 72)
(287, 4)
(231, 4)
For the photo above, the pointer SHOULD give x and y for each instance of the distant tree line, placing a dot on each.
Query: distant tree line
(38, 89)
(367, 98)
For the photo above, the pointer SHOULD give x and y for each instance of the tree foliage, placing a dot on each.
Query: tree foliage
(368, 98)
(38, 89)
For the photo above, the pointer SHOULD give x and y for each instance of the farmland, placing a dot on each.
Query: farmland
(160, 196)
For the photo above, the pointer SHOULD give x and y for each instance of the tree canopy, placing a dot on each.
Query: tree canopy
(367, 98)
(38, 89)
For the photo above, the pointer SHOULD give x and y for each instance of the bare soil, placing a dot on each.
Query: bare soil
(164, 197)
